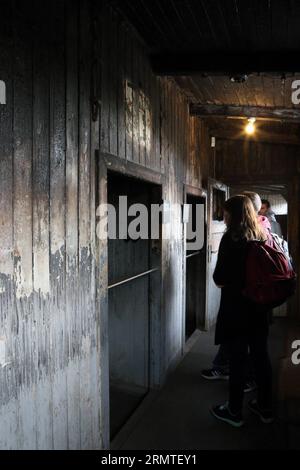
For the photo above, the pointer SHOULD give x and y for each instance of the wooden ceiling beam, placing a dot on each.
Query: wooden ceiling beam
(259, 179)
(185, 63)
(264, 113)
(263, 137)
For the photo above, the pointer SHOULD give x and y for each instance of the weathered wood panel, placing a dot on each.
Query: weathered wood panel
(23, 262)
(131, 94)
(72, 314)
(57, 226)
(255, 160)
(41, 230)
(60, 59)
(8, 413)
(49, 392)
(160, 135)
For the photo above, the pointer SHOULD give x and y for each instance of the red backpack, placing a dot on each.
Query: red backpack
(270, 278)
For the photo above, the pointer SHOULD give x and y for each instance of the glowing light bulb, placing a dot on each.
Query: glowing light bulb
(250, 127)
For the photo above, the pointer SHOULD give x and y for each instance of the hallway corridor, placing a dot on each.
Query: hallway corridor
(179, 418)
(131, 132)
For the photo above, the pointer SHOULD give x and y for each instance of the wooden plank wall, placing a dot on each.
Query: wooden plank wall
(48, 321)
(136, 104)
(59, 60)
(262, 161)
(145, 120)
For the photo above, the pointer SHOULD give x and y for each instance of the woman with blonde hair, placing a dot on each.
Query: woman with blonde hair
(241, 324)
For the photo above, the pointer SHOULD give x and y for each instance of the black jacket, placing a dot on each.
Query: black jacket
(237, 315)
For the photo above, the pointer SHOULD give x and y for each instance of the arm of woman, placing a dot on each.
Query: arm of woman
(220, 275)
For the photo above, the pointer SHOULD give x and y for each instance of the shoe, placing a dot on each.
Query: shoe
(223, 413)
(250, 385)
(214, 374)
(266, 416)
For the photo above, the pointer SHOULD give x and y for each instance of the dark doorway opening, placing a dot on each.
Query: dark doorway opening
(195, 277)
(133, 273)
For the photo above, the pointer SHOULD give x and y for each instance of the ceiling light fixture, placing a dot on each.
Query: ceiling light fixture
(250, 127)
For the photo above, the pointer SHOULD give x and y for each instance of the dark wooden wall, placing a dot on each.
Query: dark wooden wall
(255, 160)
(77, 81)
(145, 120)
(49, 390)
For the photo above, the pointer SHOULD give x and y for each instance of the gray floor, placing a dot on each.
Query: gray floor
(179, 416)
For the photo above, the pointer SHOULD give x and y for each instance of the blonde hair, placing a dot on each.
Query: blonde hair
(242, 219)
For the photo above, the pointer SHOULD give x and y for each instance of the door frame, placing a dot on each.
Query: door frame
(104, 164)
(211, 184)
(197, 192)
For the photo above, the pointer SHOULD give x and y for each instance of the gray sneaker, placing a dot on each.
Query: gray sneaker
(223, 413)
(214, 374)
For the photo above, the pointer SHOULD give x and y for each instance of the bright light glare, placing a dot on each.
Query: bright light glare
(250, 127)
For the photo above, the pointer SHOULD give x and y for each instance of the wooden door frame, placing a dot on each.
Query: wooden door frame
(211, 183)
(197, 192)
(104, 164)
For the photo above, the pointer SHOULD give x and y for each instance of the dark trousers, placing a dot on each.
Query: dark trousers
(256, 343)
(221, 362)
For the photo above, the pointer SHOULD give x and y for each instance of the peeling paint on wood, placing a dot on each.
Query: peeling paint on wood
(53, 270)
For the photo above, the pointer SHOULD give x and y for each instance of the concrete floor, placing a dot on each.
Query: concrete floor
(178, 418)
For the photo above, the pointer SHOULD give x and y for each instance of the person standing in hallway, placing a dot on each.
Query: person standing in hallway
(266, 211)
(241, 324)
(220, 365)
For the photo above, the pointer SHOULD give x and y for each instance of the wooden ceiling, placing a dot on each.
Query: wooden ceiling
(262, 90)
(204, 43)
(214, 25)
(223, 103)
